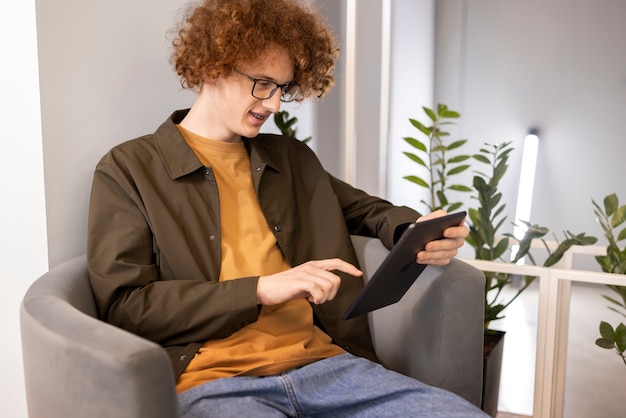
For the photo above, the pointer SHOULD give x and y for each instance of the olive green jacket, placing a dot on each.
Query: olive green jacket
(154, 238)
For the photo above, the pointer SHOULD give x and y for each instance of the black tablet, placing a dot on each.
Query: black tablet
(399, 270)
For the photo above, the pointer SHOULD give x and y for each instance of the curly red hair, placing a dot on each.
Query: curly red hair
(219, 35)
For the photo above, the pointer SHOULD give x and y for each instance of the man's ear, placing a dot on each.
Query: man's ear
(210, 81)
(207, 83)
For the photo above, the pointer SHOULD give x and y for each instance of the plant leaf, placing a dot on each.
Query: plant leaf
(451, 114)
(456, 144)
(420, 127)
(500, 248)
(417, 181)
(607, 332)
(442, 198)
(415, 158)
(619, 216)
(453, 207)
(604, 262)
(481, 158)
(613, 300)
(457, 170)
(564, 246)
(460, 188)
(430, 113)
(610, 308)
(458, 159)
(610, 204)
(415, 143)
(620, 337)
(604, 343)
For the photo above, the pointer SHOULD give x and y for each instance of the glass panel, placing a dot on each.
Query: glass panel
(594, 377)
(518, 363)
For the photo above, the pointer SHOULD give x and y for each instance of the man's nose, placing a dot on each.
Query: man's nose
(273, 103)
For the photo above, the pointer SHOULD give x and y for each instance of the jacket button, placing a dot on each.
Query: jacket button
(212, 237)
(258, 168)
(277, 228)
(182, 358)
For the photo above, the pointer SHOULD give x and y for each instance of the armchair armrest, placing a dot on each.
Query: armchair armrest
(435, 332)
(78, 366)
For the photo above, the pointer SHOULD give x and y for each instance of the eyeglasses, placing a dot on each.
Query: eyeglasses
(264, 89)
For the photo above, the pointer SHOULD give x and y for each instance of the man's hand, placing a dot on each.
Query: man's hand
(440, 252)
(312, 280)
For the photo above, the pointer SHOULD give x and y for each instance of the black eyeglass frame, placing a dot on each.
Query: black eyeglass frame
(284, 88)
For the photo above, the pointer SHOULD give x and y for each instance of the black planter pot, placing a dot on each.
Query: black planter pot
(492, 365)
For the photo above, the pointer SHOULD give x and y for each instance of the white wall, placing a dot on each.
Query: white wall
(411, 87)
(78, 78)
(23, 253)
(558, 66)
(105, 78)
(329, 113)
(367, 71)
(508, 67)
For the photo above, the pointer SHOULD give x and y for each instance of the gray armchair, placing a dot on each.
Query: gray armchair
(78, 366)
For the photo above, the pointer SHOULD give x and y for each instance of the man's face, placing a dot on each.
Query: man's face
(235, 112)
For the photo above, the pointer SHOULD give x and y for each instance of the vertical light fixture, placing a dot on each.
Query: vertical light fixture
(385, 96)
(526, 182)
(349, 169)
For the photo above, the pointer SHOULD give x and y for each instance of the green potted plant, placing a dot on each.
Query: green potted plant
(434, 156)
(286, 125)
(489, 244)
(485, 222)
(610, 217)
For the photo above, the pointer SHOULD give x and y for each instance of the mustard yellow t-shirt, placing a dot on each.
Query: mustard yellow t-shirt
(284, 336)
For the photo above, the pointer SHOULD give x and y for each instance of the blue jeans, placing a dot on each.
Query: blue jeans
(341, 386)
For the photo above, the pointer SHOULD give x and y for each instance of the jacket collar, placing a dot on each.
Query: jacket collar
(180, 160)
(260, 155)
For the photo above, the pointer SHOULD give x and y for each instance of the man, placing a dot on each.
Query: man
(231, 249)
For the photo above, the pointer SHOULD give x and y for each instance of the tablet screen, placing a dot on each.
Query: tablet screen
(399, 270)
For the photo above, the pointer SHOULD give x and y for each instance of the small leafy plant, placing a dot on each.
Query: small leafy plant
(434, 156)
(610, 217)
(497, 281)
(286, 125)
(486, 221)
